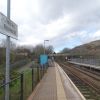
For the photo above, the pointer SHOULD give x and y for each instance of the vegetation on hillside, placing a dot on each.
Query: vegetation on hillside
(89, 49)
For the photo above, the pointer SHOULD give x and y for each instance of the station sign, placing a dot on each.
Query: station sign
(8, 27)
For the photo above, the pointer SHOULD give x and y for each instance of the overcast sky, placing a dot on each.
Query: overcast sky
(66, 23)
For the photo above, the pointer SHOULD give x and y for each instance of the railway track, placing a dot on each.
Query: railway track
(88, 84)
(95, 75)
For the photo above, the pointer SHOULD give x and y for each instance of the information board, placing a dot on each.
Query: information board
(43, 59)
(8, 27)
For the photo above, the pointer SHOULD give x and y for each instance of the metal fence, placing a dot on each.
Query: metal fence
(23, 85)
(90, 61)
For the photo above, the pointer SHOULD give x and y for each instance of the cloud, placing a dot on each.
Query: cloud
(61, 21)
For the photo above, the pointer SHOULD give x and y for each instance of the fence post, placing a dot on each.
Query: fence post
(43, 69)
(32, 79)
(37, 74)
(4, 88)
(40, 72)
(21, 80)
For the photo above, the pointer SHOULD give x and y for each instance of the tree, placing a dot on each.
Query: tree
(39, 49)
(65, 50)
(12, 44)
(49, 49)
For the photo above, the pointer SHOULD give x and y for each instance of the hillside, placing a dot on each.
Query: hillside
(92, 48)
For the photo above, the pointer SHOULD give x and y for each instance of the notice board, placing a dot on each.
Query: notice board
(43, 59)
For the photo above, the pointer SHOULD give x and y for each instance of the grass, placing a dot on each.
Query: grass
(2, 93)
(15, 90)
(27, 85)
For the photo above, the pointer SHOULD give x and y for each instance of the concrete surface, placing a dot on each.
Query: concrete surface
(56, 85)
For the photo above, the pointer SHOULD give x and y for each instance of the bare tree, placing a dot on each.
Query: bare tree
(49, 49)
(39, 49)
(12, 44)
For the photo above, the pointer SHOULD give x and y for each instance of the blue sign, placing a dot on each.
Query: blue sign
(43, 59)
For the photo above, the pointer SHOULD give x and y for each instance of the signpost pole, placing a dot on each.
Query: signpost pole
(7, 76)
(10, 29)
(7, 68)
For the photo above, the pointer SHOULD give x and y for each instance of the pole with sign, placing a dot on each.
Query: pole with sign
(10, 29)
(7, 77)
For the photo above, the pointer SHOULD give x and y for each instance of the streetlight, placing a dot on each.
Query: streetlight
(44, 45)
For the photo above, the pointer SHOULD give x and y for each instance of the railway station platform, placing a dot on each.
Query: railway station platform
(86, 65)
(56, 85)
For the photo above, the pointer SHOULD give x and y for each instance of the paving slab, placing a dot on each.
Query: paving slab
(56, 85)
(47, 89)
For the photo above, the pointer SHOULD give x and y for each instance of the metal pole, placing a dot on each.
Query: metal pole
(21, 82)
(7, 68)
(7, 57)
(8, 9)
(44, 47)
(32, 79)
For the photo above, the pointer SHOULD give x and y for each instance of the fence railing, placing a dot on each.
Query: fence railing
(90, 61)
(23, 85)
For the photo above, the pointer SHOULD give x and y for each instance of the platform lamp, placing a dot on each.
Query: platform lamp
(44, 45)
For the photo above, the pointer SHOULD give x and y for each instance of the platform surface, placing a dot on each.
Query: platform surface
(86, 65)
(50, 87)
(55, 85)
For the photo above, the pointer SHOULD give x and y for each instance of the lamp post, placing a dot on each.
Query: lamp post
(44, 45)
